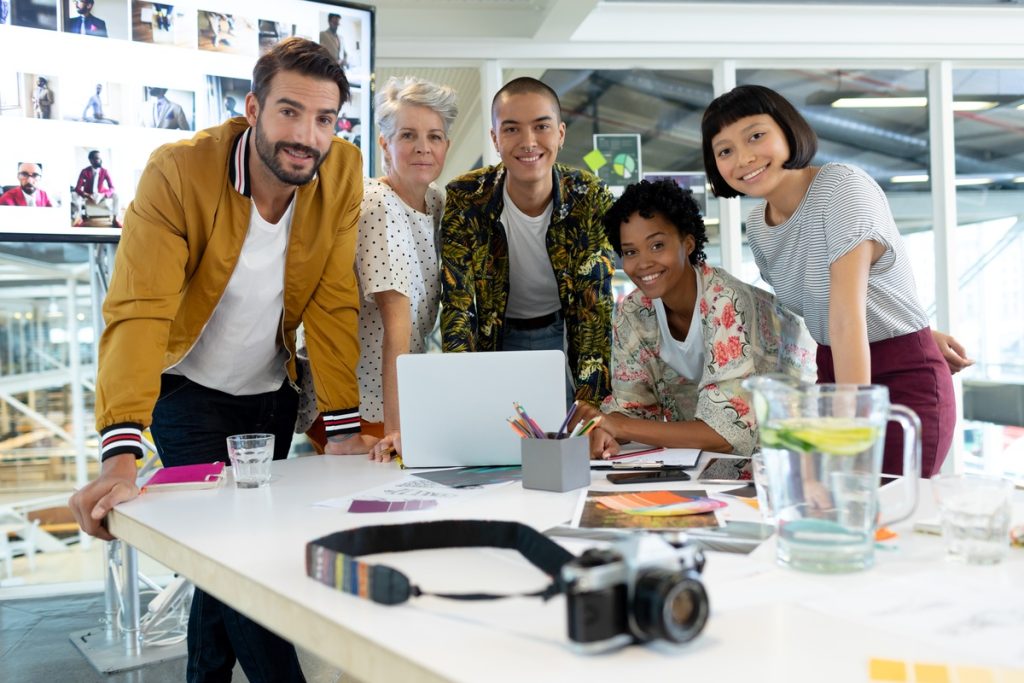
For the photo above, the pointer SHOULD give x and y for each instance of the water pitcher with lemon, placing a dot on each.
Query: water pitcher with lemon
(822, 446)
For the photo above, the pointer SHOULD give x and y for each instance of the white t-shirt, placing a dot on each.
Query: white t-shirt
(532, 288)
(687, 356)
(238, 352)
(396, 251)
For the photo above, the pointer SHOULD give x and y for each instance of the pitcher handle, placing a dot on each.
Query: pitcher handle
(911, 424)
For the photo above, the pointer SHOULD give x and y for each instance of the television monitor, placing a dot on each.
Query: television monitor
(85, 99)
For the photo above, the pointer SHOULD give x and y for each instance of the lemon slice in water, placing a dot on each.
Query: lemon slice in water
(833, 439)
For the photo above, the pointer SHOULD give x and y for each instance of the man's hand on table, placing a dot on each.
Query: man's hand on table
(116, 484)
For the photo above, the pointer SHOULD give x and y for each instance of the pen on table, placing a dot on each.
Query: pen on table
(568, 418)
(648, 451)
(534, 427)
(626, 466)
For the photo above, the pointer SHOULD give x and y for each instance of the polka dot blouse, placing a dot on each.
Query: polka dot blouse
(396, 251)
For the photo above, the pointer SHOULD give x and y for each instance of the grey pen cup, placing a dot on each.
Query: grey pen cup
(556, 464)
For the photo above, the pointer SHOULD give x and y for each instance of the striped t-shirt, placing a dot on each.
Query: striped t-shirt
(842, 208)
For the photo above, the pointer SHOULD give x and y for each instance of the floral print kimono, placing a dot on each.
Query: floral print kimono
(746, 332)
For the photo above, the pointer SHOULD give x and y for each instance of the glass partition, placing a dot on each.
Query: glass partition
(989, 140)
(876, 120)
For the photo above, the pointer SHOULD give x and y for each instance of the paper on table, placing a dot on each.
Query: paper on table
(975, 617)
(406, 489)
(676, 457)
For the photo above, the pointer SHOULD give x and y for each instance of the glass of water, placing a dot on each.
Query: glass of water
(251, 455)
(975, 512)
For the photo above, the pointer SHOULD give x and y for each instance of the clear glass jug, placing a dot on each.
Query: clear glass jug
(822, 446)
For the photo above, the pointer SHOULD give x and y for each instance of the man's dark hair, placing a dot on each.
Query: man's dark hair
(332, 15)
(299, 56)
(666, 199)
(753, 100)
(93, 153)
(526, 85)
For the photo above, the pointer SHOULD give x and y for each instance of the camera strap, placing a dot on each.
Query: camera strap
(333, 559)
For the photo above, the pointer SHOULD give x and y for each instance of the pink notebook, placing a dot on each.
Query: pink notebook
(205, 476)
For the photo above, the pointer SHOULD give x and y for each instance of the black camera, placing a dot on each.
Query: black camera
(644, 588)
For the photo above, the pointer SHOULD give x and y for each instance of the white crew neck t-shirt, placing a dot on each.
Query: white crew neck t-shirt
(238, 350)
(687, 356)
(532, 289)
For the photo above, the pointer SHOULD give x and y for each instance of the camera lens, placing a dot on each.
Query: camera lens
(671, 605)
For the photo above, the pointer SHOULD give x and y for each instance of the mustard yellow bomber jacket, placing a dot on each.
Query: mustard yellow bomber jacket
(182, 236)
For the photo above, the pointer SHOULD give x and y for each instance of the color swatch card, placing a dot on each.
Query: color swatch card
(646, 510)
(416, 492)
(360, 505)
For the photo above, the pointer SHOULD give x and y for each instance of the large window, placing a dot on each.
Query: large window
(876, 120)
(663, 107)
(989, 137)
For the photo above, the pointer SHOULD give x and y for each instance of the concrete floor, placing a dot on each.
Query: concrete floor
(34, 646)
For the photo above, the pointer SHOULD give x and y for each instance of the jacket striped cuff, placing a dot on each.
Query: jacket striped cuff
(341, 422)
(121, 438)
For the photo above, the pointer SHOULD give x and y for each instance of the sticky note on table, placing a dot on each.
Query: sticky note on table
(887, 670)
(931, 673)
(974, 674)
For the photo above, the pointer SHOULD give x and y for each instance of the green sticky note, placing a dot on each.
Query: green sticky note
(594, 159)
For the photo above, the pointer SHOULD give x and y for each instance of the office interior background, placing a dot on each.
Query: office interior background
(927, 97)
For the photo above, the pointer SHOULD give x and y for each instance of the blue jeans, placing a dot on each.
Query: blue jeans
(550, 338)
(191, 424)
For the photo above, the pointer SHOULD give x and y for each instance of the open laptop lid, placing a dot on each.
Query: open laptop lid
(454, 406)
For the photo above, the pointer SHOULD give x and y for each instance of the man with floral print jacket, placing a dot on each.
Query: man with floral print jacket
(500, 221)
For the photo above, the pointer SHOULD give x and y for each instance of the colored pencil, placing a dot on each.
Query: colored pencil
(568, 418)
(534, 427)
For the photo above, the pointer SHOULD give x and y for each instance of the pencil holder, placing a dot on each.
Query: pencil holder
(556, 464)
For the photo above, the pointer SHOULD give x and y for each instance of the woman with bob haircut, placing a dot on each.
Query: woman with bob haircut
(685, 339)
(396, 256)
(825, 239)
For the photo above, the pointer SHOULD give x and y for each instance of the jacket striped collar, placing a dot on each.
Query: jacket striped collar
(238, 172)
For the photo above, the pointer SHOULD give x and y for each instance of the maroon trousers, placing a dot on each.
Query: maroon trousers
(918, 377)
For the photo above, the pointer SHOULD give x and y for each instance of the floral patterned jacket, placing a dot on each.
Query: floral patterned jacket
(475, 263)
(746, 332)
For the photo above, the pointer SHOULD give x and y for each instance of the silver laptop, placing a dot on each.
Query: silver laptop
(454, 406)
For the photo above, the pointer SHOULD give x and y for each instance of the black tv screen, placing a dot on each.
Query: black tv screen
(85, 97)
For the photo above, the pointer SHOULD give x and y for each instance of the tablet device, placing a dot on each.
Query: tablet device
(721, 470)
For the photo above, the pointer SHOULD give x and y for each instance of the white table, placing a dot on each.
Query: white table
(246, 547)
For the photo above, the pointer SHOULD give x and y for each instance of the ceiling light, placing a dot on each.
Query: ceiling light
(918, 178)
(973, 181)
(879, 102)
(1019, 179)
(910, 101)
(973, 105)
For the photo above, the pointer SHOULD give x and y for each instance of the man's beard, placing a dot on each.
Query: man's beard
(268, 154)
(28, 189)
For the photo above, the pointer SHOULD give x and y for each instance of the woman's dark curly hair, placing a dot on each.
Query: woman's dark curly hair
(662, 197)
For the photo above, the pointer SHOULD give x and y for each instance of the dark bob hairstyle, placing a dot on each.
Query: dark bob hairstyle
(662, 197)
(754, 100)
